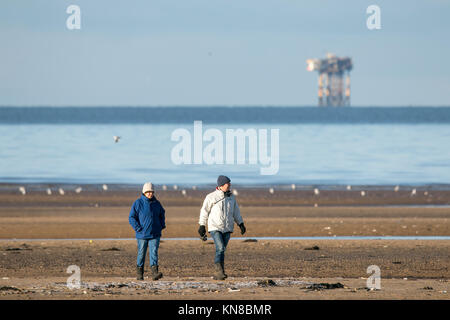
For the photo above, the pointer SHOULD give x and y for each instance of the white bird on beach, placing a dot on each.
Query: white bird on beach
(413, 192)
(61, 191)
(271, 191)
(105, 187)
(316, 191)
(183, 192)
(363, 193)
(293, 186)
(78, 190)
(164, 187)
(49, 191)
(22, 190)
(235, 192)
(396, 188)
(116, 139)
(349, 187)
(175, 187)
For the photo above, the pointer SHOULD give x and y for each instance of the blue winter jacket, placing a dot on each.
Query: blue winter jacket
(147, 217)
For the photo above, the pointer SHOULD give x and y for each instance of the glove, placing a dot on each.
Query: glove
(242, 228)
(202, 233)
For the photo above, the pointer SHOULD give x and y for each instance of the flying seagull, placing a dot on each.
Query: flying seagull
(116, 139)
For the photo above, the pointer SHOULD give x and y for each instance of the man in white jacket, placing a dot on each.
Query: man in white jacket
(220, 210)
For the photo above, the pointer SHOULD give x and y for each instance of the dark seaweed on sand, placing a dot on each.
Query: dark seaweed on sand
(7, 288)
(267, 283)
(111, 249)
(327, 286)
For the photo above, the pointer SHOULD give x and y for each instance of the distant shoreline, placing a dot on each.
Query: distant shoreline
(114, 195)
(42, 186)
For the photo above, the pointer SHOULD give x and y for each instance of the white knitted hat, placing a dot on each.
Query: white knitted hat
(148, 186)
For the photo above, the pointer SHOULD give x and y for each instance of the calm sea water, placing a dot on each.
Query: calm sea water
(373, 146)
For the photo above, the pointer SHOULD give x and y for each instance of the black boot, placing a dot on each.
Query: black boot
(155, 273)
(222, 264)
(140, 273)
(219, 272)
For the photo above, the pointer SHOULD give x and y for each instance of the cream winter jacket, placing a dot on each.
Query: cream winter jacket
(220, 212)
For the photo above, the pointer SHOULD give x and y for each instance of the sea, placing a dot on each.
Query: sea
(188, 145)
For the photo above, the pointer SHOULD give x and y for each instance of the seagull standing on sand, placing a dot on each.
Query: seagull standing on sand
(78, 190)
(61, 191)
(175, 187)
(22, 190)
(164, 187)
(235, 192)
(271, 191)
(396, 188)
(349, 187)
(413, 192)
(49, 191)
(316, 191)
(293, 186)
(105, 187)
(183, 192)
(363, 193)
(116, 139)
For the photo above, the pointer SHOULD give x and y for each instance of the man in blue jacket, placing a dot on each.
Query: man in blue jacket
(147, 217)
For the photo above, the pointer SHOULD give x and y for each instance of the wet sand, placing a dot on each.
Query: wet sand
(197, 288)
(112, 222)
(37, 269)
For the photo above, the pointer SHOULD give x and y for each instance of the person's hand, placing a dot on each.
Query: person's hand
(242, 228)
(202, 233)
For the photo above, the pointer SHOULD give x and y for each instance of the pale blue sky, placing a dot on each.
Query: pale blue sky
(220, 52)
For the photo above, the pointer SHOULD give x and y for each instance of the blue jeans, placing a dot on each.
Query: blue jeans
(153, 245)
(221, 241)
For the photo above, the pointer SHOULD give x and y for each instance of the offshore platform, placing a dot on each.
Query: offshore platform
(332, 71)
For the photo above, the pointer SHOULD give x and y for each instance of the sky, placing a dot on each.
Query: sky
(220, 52)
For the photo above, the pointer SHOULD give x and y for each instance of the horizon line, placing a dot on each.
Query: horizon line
(223, 105)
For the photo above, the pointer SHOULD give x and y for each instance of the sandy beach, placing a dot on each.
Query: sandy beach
(410, 269)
